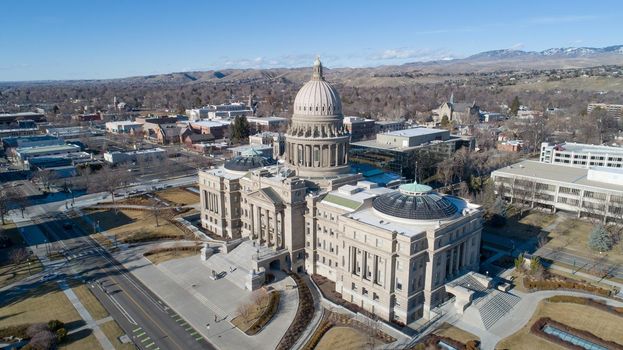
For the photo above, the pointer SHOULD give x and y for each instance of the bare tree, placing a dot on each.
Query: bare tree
(7, 197)
(18, 255)
(244, 310)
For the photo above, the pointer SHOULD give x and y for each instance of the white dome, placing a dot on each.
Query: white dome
(317, 97)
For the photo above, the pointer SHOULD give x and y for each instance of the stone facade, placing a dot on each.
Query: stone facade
(326, 221)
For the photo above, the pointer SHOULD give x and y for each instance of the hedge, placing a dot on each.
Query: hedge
(554, 284)
(318, 334)
(267, 315)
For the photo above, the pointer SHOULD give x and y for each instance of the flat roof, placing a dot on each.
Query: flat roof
(416, 132)
(206, 123)
(586, 148)
(29, 150)
(553, 172)
(124, 122)
(374, 144)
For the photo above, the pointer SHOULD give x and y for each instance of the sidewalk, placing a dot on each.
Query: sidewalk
(34, 236)
(184, 285)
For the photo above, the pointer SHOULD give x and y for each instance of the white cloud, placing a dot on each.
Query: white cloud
(413, 54)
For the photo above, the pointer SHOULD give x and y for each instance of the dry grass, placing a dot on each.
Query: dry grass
(524, 228)
(179, 196)
(343, 338)
(43, 304)
(78, 342)
(113, 332)
(602, 324)
(572, 235)
(161, 257)
(131, 224)
(450, 331)
(11, 273)
(90, 302)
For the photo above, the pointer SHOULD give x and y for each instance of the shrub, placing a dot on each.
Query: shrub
(61, 334)
(55, 325)
(318, 334)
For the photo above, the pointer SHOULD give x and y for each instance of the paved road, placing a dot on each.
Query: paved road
(144, 317)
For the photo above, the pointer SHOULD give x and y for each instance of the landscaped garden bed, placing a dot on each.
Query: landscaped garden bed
(256, 314)
(304, 314)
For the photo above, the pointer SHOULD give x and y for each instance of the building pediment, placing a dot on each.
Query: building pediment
(266, 195)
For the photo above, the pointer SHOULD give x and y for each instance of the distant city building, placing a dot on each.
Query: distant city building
(25, 153)
(215, 128)
(225, 111)
(381, 126)
(274, 139)
(491, 117)
(581, 155)
(457, 112)
(124, 127)
(595, 192)
(72, 132)
(164, 130)
(613, 110)
(514, 146)
(524, 113)
(260, 124)
(145, 155)
(400, 151)
(87, 117)
(11, 120)
(360, 128)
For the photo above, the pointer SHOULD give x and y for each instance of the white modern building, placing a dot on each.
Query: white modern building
(25, 153)
(145, 155)
(123, 127)
(589, 192)
(581, 155)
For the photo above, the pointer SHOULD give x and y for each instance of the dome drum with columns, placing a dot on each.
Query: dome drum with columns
(316, 142)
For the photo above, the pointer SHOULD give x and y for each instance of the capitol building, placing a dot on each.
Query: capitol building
(389, 251)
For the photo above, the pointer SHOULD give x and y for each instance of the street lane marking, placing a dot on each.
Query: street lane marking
(140, 335)
(189, 328)
(199, 338)
(146, 339)
(150, 345)
(193, 333)
(137, 329)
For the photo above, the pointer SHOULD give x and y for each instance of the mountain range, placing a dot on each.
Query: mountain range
(483, 62)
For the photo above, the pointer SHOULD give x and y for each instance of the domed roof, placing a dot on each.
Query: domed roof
(247, 161)
(317, 97)
(415, 202)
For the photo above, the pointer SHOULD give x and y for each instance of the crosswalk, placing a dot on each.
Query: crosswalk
(188, 328)
(143, 339)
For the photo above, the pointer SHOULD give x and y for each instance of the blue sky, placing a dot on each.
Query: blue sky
(92, 39)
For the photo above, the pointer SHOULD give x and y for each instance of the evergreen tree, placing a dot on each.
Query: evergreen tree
(600, 239)
(239, 129)
(515, 105)
(445, 122)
